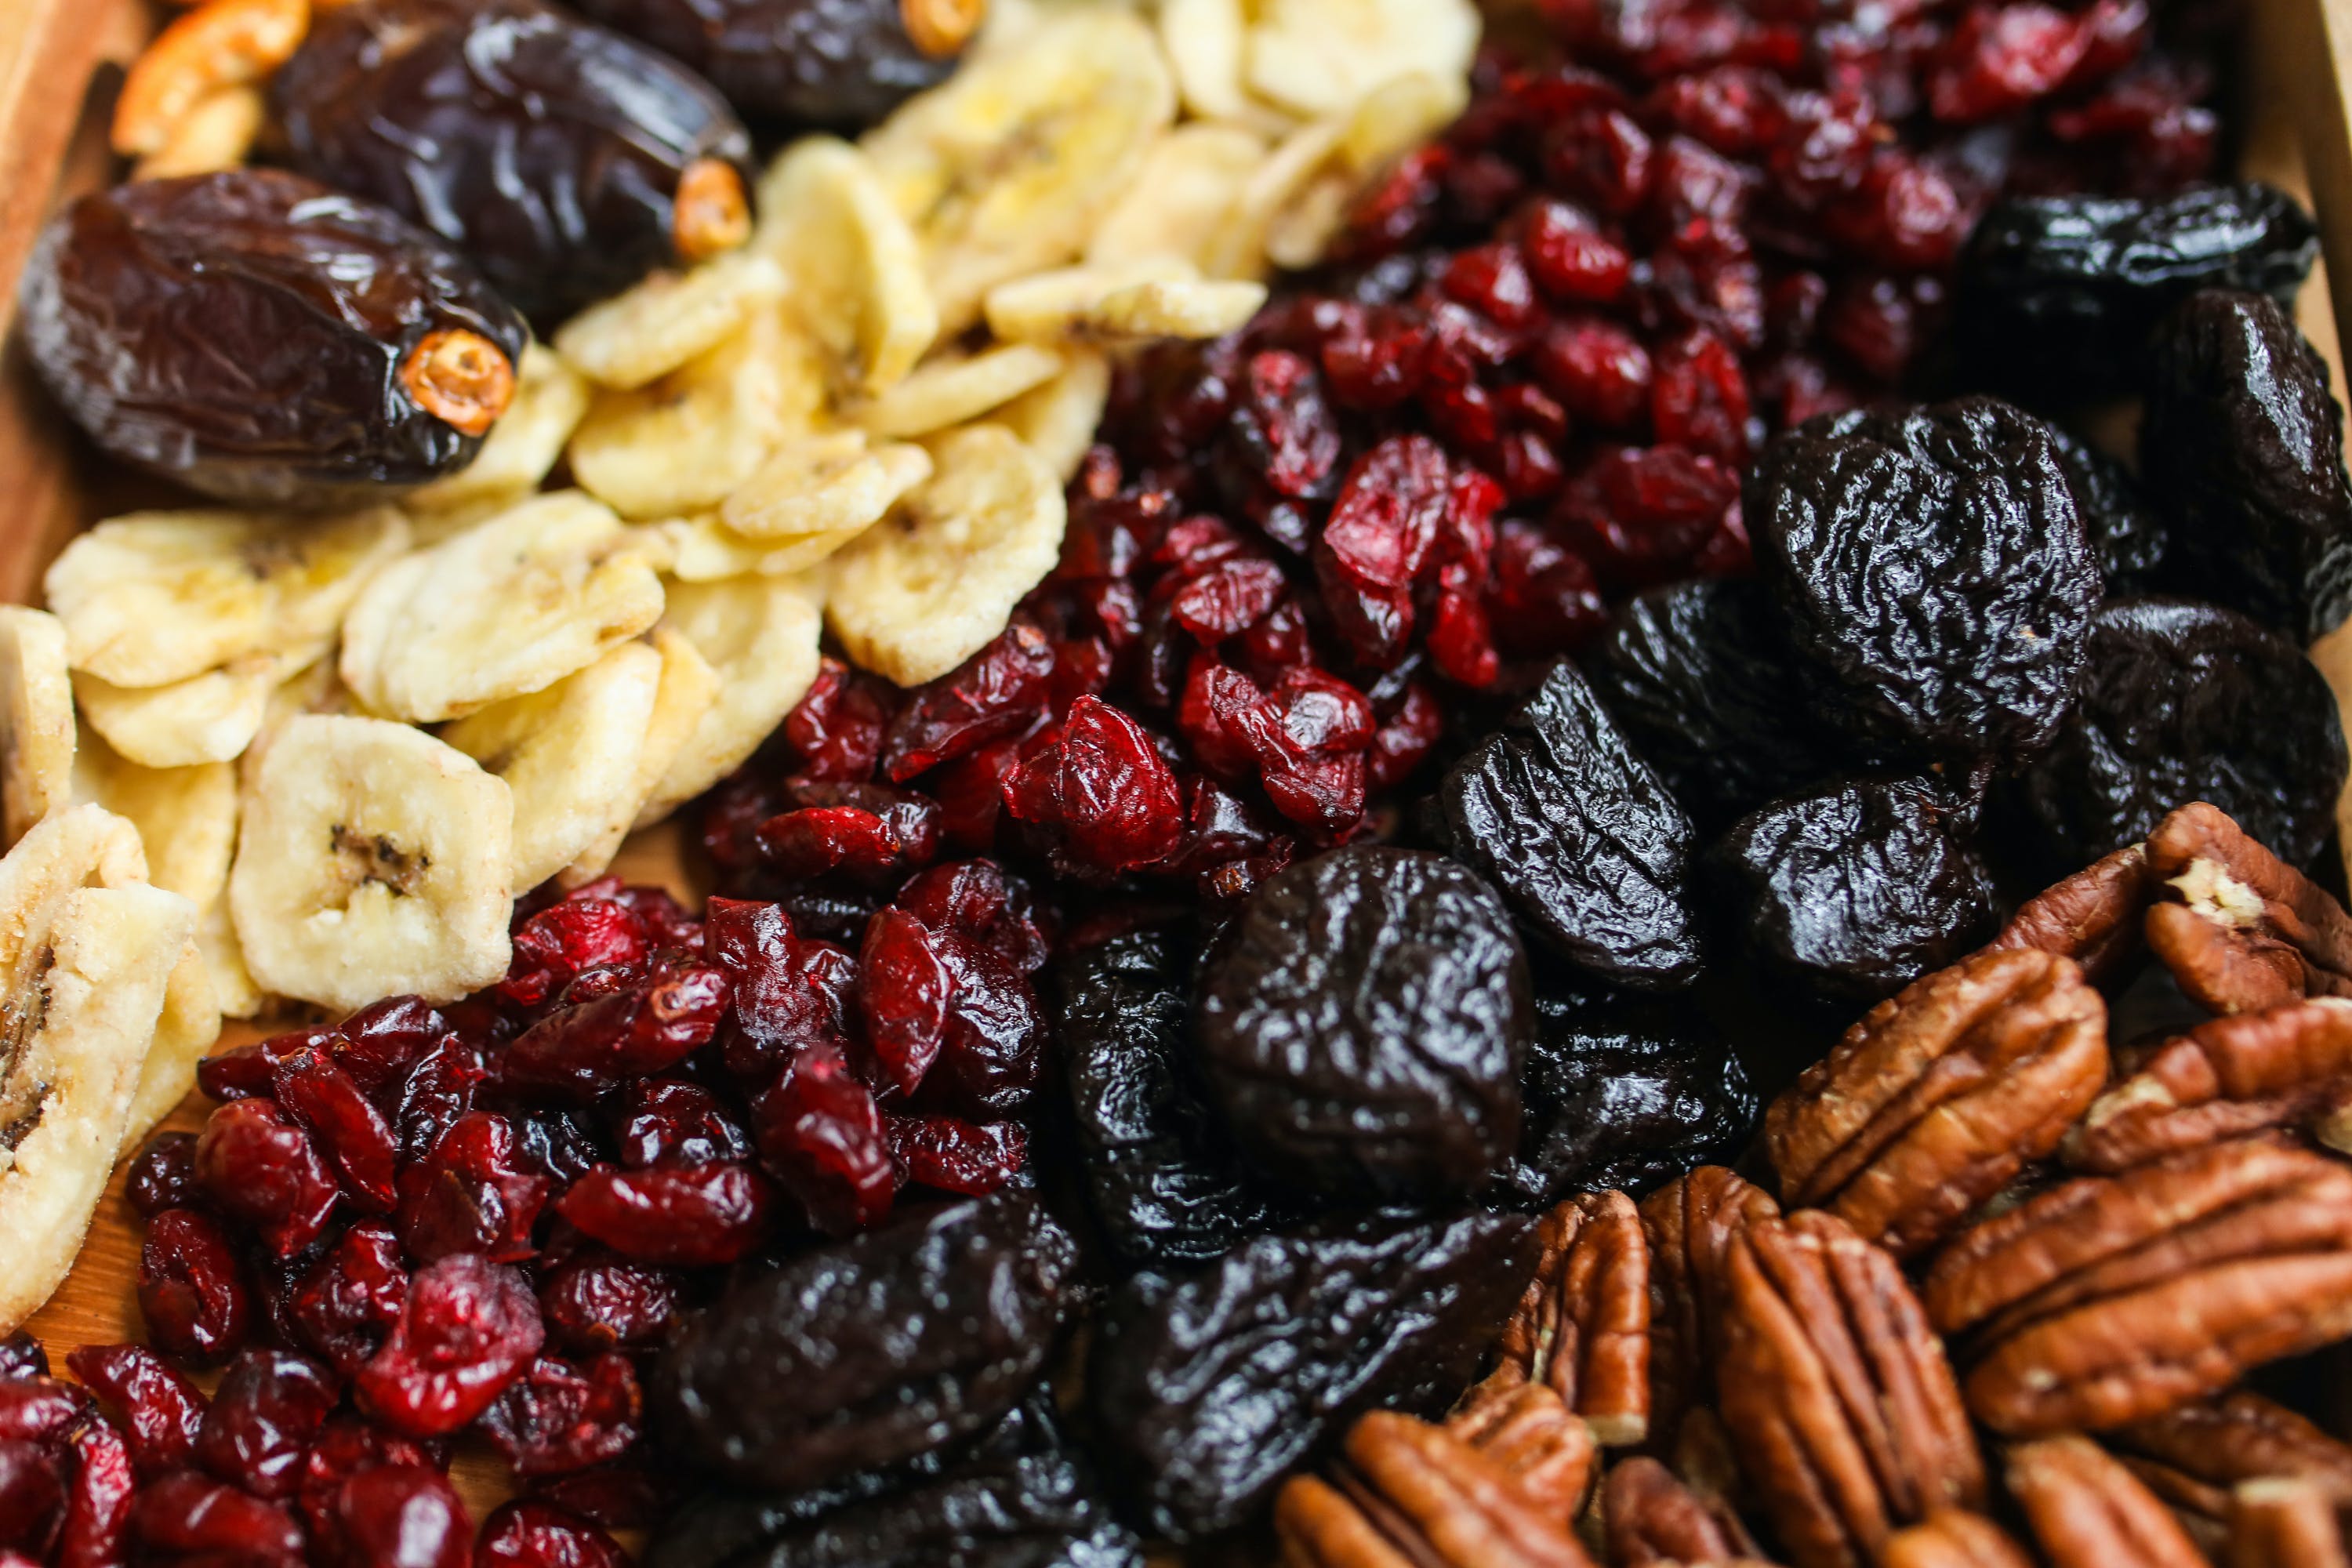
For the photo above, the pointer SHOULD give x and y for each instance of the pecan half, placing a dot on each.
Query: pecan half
(2249, 931)
(2113, 1299)
(1533, 1438)
(1953, 1538)
(2286, 1066)
(2094, 916)
(1836, 1391)
(1647, 1517)
(1940, 1094)
(2087, 1511)
(1690, 1222)
(1582, 1329)
(2284, 1522)
(2193, 1457)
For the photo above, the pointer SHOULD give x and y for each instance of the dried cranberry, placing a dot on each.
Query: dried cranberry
(1280, 432)
(2002, 58)
(1699, 399)
(468, 1327)
(244, 1071)
(345, 1445)
(525, 1534)
(838, 729)
(162, 1177)
(820, 1135)
(791, 993)
(186, 1514)
(559, 1143)
(1639, 514)
(558, 1418)
(98, 1497)
(1103, 789)
(694, 1216)
(262, 1419)
(555, 945)
(161, 1411)
(981, 903)
(1599, 371)
(904, 986)
(582, 1049)
(382, 1040)
(21, 1355)
(598, 1302)
(32, 1496)
(325, 1101)
(260, 1168)
(397, 1516)
(955, 1155)
(670, 1121)
(349, 1300)
(41, 1409)
(475, 1192)
(620, 1496)
(867, 834)
(191, 1290)
(438, 1090)
(998, 691)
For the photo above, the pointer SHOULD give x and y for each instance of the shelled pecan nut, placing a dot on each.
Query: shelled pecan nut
(2113, 1299)
(1836, 1391)
(2094, 916)
(2249, 931)
(1690, 1222)
(2192, 1457)
(1650, 1517)
(2281, 1522)
(2286, 1066)
(1535, 1440)
(1939, 1095)
(1953, 1538)
(2087, 1511)
(1582, 1329)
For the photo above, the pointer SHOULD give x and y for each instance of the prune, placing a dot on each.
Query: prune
(839, 64)
(2126, 533)
(262, 338)
(1208, 1392)
(1166, 1180)
(1696, 677)
(2243, 448)
(871, 1349)
(566, 160)
(1581, 835)
(1361, 1025)
(1856, 888)
(2057, 295)
(2184, 702)
(1933, 574)
(1628, 1094)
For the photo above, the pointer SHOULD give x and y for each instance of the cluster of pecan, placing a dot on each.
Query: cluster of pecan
(1998, 1314)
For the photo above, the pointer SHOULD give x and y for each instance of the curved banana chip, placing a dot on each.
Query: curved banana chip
(703, 549)
(186, 817)
(1057, 420)
(1182, 198)
(520, 450)
(1205, 41)
(233, 991)
(759, 636)
(185, 1030)
(1056, 303)
(951, 389)
(1319, 57)
(648, 330)
(688, 689)
(37, 720)
(824, 484)
(208, 717)
(855, 265)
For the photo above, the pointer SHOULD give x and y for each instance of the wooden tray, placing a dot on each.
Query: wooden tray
(60, 64)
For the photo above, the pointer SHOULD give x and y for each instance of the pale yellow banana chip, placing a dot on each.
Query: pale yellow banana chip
(1005, 169)
(1204, 41)
(507, 608)
(824, 484)
(519, 451)
(1319, 57)
(926, 588)
(688, 440)
(1058, 303)
(209, 718)
(703, 549)
(37, 720)
(157, 597)
(952, 389)
(855, 265)
(318, 688)
(759, 635)
(667, 319)
(186, 817)
(185, 1029)
(373, 861)
(1057, 420)
(569, 754)
(687, 690)
(1182, 199)
(233, 989)
(1175, 308)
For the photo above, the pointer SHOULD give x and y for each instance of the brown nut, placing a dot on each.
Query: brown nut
(2249, 932)
(1939, 1095)
(1846, 1418)
(2093, 917)
(1582, 1328)
(2113, 1299)
(2280, 1522)
(219, 43)
(2087, 1511)
(1647, 1517)
(2287, 1066)
(1953, 1538)
(1534, 1439)
(1690, 1222)
(2193, 1455)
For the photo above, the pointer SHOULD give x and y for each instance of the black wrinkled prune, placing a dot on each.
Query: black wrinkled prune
(262, 338)
(1581, 834)
(1166, 1180)
(838, 63)
(2056, 295)
(870, 1351)
(1210, 1391)
(1627, 1095)
(1361, 1025)
(2126, 534)
(2243, 449)
(1695, 676)
(1857, 890)
(1932, 572)
(2180, 702)
(567, 160)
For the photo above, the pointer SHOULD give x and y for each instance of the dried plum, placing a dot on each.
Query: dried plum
(1855, 889)
(1166, 1180)
(838, 63)
(1581, 835)
(567, 160)
(870, 1351)
(2243, 448)
(1210, 1391)
(1933, 574)
(2180, 702)
(2124, 531)
(2056, 295)
(1363, 1025)
(1695, 676)
(262, 338)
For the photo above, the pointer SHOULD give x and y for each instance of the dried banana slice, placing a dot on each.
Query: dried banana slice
(855, 265)
(320, 688)
(162, 597)
(1319, 57)
(1056, 303)
(186, 817)
(668, 319)
(569, 755)
(759, 635)
(373, 861)
(931, 584)
(824, 484)
(86, 973)
(185, 1029)
(210, 718)
(550, 397)
(1057, 420)
(1005, 169)
(690, 439)
(37, 720)
(1183, 196)
(1205, 41)
(688, 689)
(233, 989)
(509, 607)
(703, 549)
(953, 388)
(1175, 308)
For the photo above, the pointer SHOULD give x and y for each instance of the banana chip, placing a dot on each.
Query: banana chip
(1004, 168)
(316, 689)
(652, 329)
(1175, 308)
(373, 861)
(186, 817)
(925, 589)
(703, 549)
(233, 991)
(688, 689)
(1057, 420)
(1204, 41)
(210, 718)
(510, 607)
(550, 397)
(759, 636)
(824, 484)
(952, 389)
(163, 596)
(1058, 303)
(855, 265)
(569, 755)
(185, 1029)
(37, 720)
(1182, 199)
(1319, 57)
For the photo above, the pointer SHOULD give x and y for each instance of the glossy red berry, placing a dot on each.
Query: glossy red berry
(192, 1291)
(468, 1327)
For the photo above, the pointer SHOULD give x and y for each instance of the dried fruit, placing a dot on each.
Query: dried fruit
(467, 1330)
(263, 1418)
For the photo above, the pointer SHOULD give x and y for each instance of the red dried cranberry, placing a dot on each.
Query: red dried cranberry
(838, 729)
(397, 1516)
(343, 1123)
(191, 1290)
(1569, 259)
(185, 1514)
(585, 1048)
(791, 993)
(1699, 399)
(475, 1193)
(1280, 432)
(98, 1499)
(1881, 323)
(1227, 598)
(438, 1090)
(865, 833)
(21, 1355)
(955, 1155)
(1103, 789)
(345, 1445)
(1598, 370)
(1707, 277)
(382, 1040)
(904, 986)
(1600, 154)
(1639, 514)
(696, 1216)
(983, 903)
(524, 1535)
(670, 1121)
(552, 947)
(1407, 734)
(162, 1177)
(32, 1496)
(1380, 531)
(1380, 367)
(617, 1496)
(2002, 58)
(262, 1419)
(161, 1411)
(41, 1410)
(1493, 280)
(599, 1303)
(1547, 601)
(998, 691)
(349, 1300)
(558, 1418)
(1906, 213)
(819, 1132)
(468, 1327)
(258, 1167)
(1307, 737)
(244, 1071)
